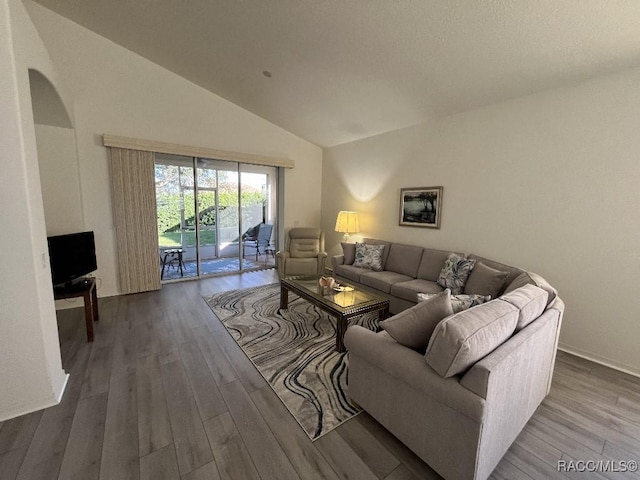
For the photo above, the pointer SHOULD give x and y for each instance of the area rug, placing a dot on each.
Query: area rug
(294, 350)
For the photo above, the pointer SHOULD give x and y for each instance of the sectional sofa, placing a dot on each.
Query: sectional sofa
(461, 398)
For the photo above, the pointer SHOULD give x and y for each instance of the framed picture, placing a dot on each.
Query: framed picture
(420, 207)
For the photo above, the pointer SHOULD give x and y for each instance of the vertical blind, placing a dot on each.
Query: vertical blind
(134, 212)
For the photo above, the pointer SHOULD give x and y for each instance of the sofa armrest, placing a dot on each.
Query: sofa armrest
(337, 260)
(385, 353)
(322, 258)
(514, 378)
(518, 358)
(281, 259)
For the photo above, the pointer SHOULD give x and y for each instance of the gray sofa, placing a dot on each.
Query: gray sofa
(460, 418)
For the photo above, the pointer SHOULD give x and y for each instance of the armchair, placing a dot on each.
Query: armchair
(304, 253)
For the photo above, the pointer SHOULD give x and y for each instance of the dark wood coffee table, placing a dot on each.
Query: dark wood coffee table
(342, 305)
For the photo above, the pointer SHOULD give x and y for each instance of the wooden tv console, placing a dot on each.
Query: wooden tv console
(87, 289)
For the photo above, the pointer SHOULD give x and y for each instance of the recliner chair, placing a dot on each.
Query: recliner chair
(304, 253)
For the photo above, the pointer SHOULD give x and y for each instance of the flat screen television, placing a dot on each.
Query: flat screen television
(72, 256)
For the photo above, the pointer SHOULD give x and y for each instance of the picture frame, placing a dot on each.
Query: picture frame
(421, 207)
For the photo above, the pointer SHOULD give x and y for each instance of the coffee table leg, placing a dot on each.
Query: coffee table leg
(284, 297)
(341, 327)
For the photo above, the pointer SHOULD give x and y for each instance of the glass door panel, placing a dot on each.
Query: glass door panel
(206, 181)
(175, 202)
(218, 201)
(257, 195)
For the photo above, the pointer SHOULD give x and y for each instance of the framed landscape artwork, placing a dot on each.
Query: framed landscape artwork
(420, 206)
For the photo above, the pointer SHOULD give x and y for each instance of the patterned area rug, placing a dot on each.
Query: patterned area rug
(294, 350)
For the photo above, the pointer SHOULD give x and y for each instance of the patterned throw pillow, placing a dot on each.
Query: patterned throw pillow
(459, 302)
(455, 273)
(369, 256)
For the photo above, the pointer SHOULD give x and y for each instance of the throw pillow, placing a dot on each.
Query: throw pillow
(462, 339)
(455, 272)
(533, 279)
(530, 300)
(369, 256)
(459, 302)
(485, 281)
(349, 252)
(413, 327)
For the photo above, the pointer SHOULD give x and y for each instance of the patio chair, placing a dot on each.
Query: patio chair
(261, 241)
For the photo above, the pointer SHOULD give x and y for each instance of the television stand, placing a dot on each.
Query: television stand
(85, 288)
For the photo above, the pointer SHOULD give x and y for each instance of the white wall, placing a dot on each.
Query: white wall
(118, 92)
(550, 183)
(59, 179)
(31, 375)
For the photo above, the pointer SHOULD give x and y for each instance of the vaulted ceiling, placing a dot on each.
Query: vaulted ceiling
(333, 71)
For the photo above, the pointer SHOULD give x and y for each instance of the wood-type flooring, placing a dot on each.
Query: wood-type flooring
(165, 393)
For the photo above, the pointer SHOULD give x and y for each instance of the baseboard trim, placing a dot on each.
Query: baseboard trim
(62, 388)
(621, 367)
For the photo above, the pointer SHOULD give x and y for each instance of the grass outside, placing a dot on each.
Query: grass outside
(172, 239)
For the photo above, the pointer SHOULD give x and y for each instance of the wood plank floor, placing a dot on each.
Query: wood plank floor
(165, 393)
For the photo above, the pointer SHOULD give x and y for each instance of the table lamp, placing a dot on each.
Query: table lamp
(347, 223)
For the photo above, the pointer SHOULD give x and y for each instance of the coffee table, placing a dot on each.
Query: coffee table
(342, 305)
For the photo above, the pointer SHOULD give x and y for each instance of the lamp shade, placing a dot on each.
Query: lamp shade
(347, 222)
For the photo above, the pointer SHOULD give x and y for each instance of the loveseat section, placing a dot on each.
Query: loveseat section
(461, 425)
(436, 418)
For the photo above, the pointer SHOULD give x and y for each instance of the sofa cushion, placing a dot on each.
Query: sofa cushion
(534, 279)
(382, 281)
(455, 272)
(349, 252)
(369, 256)
(485, 280)
(404, 259)
(530, 300)
(513, 271)
(432, 263)
(458, 302)
(464, 338)
(413, 327)
(350, 272)
(409, 289)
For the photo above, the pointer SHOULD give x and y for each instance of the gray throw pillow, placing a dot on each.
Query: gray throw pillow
(349, 252)
(369, 256)
(462, 339)
(485, 281)
(459, 302)
(526, 278)
(413, 327)
(530, 300)
(455, 272)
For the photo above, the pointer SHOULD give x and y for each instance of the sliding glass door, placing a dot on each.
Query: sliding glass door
(209, 214)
